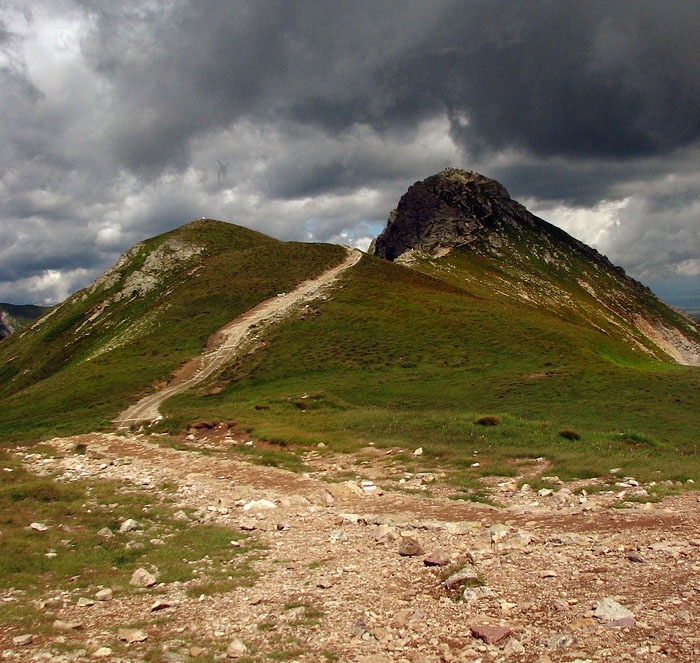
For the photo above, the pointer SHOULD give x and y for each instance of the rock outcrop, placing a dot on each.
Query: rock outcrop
(517, 255)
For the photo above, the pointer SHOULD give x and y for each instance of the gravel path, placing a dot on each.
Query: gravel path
(559, 576)
(227, 342)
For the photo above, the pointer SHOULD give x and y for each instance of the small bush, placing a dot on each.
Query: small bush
(569, 434)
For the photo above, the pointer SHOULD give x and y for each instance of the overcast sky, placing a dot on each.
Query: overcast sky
(308, 120)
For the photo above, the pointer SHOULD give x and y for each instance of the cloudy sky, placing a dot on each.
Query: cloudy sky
(308, 119)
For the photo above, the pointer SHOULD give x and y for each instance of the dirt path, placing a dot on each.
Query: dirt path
(225, 343)
(333, 586)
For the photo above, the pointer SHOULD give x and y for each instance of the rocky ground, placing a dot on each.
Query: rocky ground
(365, 558)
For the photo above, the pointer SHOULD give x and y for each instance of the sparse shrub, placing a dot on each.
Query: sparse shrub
(569, 434)
(488, 420)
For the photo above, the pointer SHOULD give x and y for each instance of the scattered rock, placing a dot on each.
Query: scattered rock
(129, 525)
(84, 602)
(490, 633)
(236, 649)
(105, 594)
(142, 578)
(635, 556)
(409, 547)
(23, 640)
(39, 527)
(132, 635)
(439, 557)
(106, 533)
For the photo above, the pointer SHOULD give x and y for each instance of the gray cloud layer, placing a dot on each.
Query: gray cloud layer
(308, 120)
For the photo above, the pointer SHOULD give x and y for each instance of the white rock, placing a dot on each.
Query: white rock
(142, 578)
(257, 505)
(102, 652)
(418, 452)
(236, 649)
(39, 527)
(129, 525)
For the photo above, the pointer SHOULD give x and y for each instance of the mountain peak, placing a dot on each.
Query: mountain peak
(445, 210)
(498, 246)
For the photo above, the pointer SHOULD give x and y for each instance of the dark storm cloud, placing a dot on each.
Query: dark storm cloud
(309, 119)
(581, 79)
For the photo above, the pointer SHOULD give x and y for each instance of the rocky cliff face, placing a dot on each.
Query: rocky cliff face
(5, 326)
(509, 252)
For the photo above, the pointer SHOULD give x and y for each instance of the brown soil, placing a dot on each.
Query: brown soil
(331, 585)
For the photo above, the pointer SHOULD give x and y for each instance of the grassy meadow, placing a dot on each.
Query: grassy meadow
(399, 359)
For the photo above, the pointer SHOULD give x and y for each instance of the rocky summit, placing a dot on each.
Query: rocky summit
(508, 252)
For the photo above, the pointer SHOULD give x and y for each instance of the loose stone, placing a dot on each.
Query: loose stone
(142, 578)
(409, 547)
(236, 649)
(490, 633)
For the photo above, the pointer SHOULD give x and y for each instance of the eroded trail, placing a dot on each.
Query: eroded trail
(227, 342)
(334, 579)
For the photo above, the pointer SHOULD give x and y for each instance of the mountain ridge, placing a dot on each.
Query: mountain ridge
(394, 348)
(471, 214)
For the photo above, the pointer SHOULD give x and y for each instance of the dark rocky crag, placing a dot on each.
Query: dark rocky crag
(13, 317)
(528, 259)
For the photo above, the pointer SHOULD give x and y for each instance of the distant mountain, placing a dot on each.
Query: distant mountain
(465, 228)
(14, 317)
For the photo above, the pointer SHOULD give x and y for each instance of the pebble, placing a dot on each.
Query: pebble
(23, 640)
(39, 527)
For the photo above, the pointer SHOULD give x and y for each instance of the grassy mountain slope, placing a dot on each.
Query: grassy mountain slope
(76, 368)
(452, 354)
(397, 357)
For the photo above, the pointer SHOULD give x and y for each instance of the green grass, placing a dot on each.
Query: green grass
(398, 359)
(57, 381)
(75, 513)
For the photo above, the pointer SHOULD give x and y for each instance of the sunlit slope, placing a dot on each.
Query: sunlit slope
(400, 357)
(108, 344)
